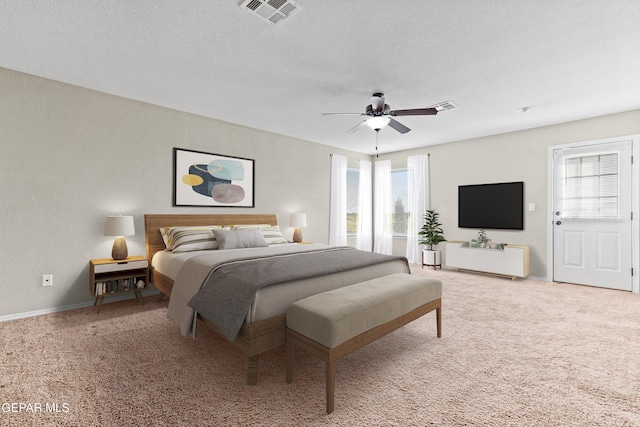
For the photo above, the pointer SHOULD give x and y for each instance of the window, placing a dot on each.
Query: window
(400, 198)
(591, 186)
(353, 184)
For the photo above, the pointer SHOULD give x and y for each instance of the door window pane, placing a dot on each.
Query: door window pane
(589, 166)
(609, 186)
(590, 187)
(609, 164)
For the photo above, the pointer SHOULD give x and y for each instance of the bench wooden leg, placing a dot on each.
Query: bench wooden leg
(290, 353)
(331, 382)
(252, 370)
(439, 321)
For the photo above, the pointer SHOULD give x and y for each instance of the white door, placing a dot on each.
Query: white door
(592, 215)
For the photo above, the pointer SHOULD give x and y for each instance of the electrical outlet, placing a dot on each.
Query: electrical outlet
(47, 280)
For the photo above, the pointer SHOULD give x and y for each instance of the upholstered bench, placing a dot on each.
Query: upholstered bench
(333, 324)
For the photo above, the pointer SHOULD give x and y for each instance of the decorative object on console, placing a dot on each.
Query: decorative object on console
(119, 226)
(297, 220)
(207, 179)
(482, 238)
(432, 234)
(489, 245)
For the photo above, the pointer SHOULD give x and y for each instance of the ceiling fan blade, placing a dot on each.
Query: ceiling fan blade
(356, 127)
(398, 126)
(414, 112)
(343, 114)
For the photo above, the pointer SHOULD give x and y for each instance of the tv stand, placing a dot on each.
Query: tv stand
(512, 261)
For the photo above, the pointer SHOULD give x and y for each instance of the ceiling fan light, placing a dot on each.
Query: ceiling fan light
(378, 122)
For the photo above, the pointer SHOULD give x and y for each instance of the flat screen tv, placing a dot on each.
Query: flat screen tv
(497, 206)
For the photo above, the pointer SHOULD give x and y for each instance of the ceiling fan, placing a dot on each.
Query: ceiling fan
(380, 115)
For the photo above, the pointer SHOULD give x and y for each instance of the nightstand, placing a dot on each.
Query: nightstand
(109, 277)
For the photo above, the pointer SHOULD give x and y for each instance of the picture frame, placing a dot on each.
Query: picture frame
(202, 179)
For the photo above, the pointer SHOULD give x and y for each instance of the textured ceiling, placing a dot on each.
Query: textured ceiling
(563, 59)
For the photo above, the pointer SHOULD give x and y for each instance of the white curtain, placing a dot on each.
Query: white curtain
(383, 235)
(338, 214)
(418, 194)
(364, 238)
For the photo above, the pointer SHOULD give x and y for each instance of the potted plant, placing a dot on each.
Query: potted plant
(431, 234)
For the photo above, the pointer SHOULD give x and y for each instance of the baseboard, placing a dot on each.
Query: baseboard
(529, 277)
(34, 313)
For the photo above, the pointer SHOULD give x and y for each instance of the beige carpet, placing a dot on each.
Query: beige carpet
(521, 353)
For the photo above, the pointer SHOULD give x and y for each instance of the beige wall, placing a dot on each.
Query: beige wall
(71, 156)
(516, 156)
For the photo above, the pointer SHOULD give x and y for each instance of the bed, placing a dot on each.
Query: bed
(264, 326)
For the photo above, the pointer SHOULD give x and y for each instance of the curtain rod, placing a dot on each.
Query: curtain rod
(404, 158)
(350, 158)
(392, 158)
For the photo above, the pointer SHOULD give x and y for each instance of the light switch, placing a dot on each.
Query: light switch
(532, 207)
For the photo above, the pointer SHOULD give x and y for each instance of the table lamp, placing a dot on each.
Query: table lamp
(297, 220)
(119, 226)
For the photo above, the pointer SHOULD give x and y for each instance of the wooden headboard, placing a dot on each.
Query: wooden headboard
(153, 222)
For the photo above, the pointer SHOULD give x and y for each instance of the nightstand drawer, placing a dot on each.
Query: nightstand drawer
(131, 265)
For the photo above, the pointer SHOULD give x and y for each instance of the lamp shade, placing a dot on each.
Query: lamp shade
(378, 122)
(119, 226)
(298, 220)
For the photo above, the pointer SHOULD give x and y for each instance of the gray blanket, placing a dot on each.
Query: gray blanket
(228, 292)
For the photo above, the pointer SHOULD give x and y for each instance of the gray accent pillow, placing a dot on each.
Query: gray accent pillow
(236, 239)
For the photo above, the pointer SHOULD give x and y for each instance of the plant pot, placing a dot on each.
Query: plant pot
(431, 258)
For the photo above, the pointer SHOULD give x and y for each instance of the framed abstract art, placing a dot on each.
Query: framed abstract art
(207, 179)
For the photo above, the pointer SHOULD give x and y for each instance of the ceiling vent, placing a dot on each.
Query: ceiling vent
(444, 106)
(272, 11)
